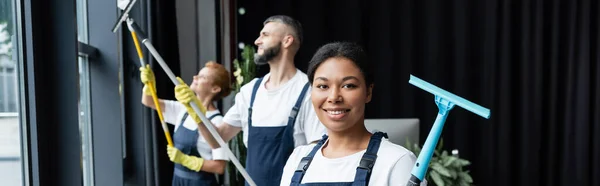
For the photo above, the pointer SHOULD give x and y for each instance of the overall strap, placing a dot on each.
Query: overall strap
(305, 163)
(254, 90)
(185, 115)
(213, 116)
(295, 110)
(365, 167)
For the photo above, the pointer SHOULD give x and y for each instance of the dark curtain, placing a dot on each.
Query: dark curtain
(163, 35)
(535, 64)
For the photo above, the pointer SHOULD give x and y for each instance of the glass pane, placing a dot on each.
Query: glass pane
(84, 98)
(84, 123)
(10, 135)
(82, 25)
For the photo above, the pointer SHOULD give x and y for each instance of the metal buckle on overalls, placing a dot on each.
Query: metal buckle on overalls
(294, 113)
(304, 163)
(366, 162)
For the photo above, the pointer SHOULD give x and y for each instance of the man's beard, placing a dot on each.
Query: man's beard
(268, 55)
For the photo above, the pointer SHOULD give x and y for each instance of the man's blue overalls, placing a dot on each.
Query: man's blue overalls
(270, 147)
(363, 171)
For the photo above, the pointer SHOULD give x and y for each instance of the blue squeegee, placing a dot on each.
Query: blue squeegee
(445, 101)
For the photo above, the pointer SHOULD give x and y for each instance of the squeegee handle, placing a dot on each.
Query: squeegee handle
(413, 181)
(150, 85)
(422, 163)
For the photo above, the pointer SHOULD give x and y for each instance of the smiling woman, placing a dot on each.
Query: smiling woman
(340, 89)
(342, 84)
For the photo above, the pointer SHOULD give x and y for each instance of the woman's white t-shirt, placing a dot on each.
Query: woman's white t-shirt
(393, 166)
(173, 113)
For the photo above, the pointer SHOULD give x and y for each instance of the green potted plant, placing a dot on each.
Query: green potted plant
(444, 169)
(245, 71)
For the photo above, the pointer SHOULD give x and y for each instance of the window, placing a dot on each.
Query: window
(8, 75)
(84, 97)
(10, 135)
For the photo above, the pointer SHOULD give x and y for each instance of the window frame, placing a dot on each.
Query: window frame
(48, 43)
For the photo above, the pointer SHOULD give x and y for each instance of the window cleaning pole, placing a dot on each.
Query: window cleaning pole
(150, 85)
(445, 101)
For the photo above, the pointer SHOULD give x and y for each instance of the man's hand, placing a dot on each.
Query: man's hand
(186, 96)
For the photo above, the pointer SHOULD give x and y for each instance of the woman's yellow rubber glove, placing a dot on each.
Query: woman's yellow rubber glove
(191, 162)
(146, 90)
(147, 76)
(186, 96)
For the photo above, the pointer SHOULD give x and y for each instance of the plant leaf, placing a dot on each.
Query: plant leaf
(408, 145)
(454, 174)
(236, 63)
(440, 169)
(437, 179)
(449, 161)
(416, 149)
(466, 177)
(461, 163)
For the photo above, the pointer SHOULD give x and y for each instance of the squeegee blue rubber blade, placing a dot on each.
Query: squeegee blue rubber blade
(457, 100)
